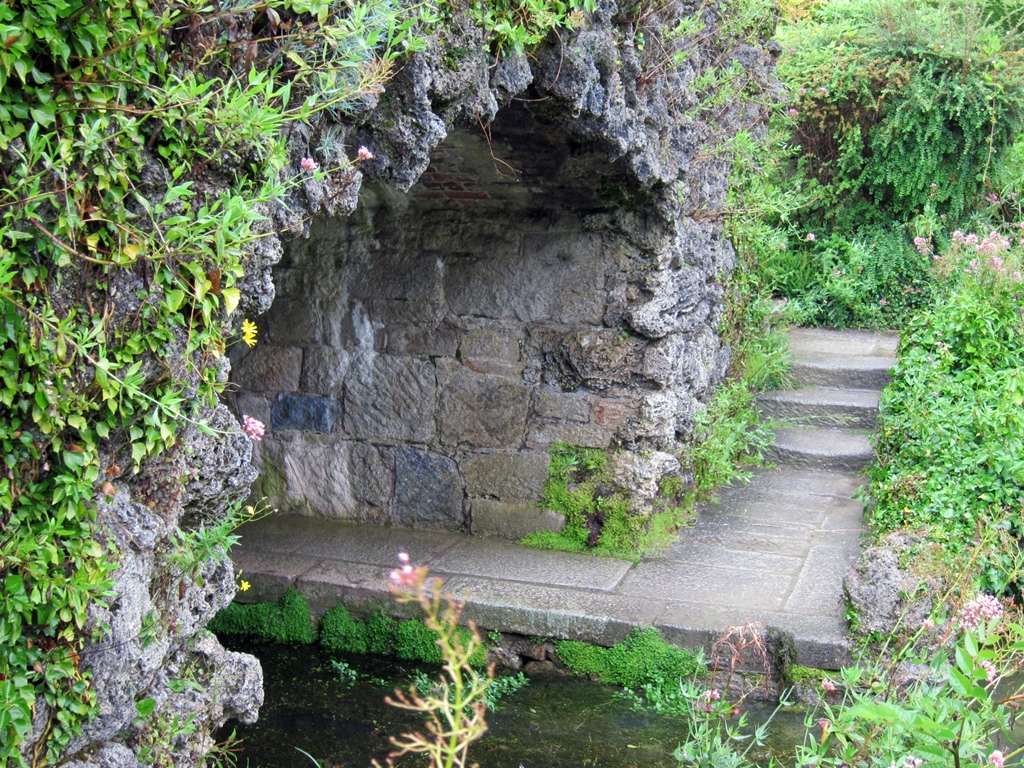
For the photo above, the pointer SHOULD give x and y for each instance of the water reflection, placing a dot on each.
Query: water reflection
(554, 722)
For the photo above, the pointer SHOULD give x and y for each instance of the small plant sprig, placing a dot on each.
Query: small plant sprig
(192, 548)
(456, 704)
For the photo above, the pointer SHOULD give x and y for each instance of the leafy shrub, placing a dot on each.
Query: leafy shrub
(903, 106)
(286, 621)
(729, 437)
(873, 277)
(950, 451)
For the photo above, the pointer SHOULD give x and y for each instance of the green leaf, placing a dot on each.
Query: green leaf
(174, 299)
(145, 707)
(231, 298)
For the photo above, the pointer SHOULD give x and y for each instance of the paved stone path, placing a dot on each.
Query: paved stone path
(773, 550)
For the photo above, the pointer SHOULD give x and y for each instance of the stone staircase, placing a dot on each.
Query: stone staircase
(839, 375)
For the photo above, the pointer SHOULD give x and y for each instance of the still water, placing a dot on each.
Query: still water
(554, 722)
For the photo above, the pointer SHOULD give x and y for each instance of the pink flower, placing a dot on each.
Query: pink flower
(823, 91)
(997, 759)
(825, 724)
(928, 624)
(827, 685)
(993, 197)
(309, 164)
(991, 673)
(837, 273)
(923, 245)
(981, 607)
(254, 428)
(802, 91)
(793, 112)
(364, 154)
(996, 262)
(403, 558)
(933, 185)
(942, 216)
(883, 302)
(1017, 277)
(810, 237)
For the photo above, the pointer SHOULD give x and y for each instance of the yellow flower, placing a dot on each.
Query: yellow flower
(244, 586)
(249, 333)
(250, 510)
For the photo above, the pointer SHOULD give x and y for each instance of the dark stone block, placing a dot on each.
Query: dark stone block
(306, 412)
(428, 491)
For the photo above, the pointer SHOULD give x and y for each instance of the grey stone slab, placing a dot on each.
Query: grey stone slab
(545, 611)
(846, 408)
(428, 491)
(844, 521)
(793, 545)
(865, 372)
(801, 481)
(693, 625)
(371, 545)
(268, 368)
(310, 413)
(829, 341)
(324, 370)
(480, 410)
(496, 342)
(283, 534)
(725, 587)
(506, 475)
(563, 406)
(822, 449)
(740, 527)
(506, 561)
(557, 277)
(586, 435)
(313, 475)
(511, 520)
(269, 574)
(771, 512)
(703, 553)
(820, 640)
(393, 398)
(362, 588)
(819, 588)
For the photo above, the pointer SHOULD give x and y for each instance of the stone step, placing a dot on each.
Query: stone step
(841, 371)
(828, 341)
(820, 407)
(824, 357)
(830, 449)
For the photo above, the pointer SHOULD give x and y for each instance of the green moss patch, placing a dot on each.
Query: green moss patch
(643, 658)
(597, 516)
(288, 621)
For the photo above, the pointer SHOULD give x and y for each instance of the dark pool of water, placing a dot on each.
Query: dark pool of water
(554, 722)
